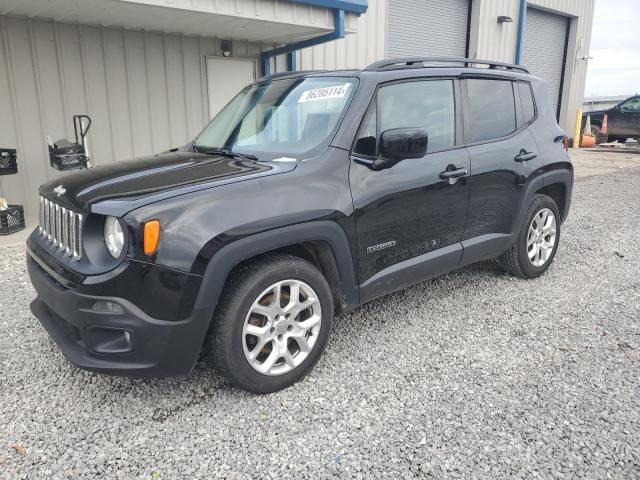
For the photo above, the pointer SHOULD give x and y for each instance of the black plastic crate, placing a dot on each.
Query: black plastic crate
(67, 156)
(11, 219)
(8, 161)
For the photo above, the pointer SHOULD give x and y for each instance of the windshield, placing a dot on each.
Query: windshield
(283, 117)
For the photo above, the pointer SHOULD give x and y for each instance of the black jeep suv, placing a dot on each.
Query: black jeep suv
(310, 193)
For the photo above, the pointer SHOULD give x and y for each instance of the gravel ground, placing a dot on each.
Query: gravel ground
(475, 374)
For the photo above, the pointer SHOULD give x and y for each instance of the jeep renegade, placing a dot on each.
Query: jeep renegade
(310, 193)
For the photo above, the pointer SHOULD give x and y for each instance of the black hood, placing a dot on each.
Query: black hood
(154, 177)
(594, 114)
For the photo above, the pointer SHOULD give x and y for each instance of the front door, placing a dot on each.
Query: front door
(624, 119)
(409, 218)
(226, 77)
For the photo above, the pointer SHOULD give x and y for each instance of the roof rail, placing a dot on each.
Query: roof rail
(420, 62)
(295, 73)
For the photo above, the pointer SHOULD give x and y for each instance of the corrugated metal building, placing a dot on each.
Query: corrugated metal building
(151, 73)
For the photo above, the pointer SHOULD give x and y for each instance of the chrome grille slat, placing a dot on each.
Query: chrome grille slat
(65, 230)
(49, 222)
(41, 215)
(73, 245)
(62, 226)
(58, 229)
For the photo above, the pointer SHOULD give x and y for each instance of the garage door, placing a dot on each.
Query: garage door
(427, 28)
(544, 49)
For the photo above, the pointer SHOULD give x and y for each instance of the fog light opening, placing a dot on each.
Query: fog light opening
(107, 340)
(104, 306)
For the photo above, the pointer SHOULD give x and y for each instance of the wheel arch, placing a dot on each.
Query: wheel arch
(322, 243)
(558, 177)
(558, 193)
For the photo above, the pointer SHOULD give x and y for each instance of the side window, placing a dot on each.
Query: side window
(492, 109)
(366, 144)
(631, 105)
(427, 104)
(526, 99)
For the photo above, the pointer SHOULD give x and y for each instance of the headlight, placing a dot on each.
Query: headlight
(113, 236)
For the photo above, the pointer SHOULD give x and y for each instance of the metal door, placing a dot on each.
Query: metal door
(433, 28)
(544, 50)
(226, 77)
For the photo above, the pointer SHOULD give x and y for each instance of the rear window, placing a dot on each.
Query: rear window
(526, 99)
(493, 113)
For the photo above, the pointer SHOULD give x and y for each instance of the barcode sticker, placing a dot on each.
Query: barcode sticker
(324, 93)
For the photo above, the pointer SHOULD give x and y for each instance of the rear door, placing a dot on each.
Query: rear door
(503, 154)
(409, 213)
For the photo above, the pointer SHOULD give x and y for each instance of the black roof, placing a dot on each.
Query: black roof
(405, 63)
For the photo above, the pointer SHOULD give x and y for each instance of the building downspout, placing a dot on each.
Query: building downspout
(521, 19)
(292, 61)
(338, 32)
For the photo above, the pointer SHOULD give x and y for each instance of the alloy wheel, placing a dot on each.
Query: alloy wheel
(281, 327)
(541, 238)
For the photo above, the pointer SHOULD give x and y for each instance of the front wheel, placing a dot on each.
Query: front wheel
(537, 242)
(272, 323)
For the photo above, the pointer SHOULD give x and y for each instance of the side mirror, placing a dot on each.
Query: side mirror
(400, 144)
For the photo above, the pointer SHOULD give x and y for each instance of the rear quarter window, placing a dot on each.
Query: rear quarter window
(492, 109)
(526, 99)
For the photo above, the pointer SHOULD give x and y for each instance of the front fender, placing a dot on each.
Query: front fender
(229, 256)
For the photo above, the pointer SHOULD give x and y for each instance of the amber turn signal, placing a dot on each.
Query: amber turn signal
(151, 237)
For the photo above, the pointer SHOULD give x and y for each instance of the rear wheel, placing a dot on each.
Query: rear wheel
(272, 324)
(537, 241)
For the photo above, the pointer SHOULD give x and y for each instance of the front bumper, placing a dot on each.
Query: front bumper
(117, 341)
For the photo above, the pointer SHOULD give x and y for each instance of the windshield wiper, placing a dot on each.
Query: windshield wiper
(225, 152)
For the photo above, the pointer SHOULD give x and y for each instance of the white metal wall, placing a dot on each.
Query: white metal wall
(356, 50)
(145, 92)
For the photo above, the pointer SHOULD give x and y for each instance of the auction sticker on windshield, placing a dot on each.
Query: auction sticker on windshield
(325, 93)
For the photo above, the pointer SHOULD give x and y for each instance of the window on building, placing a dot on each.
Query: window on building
(526, 99)
(492, 109)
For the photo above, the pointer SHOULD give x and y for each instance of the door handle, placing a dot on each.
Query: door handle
(453, 172)
(525, 156)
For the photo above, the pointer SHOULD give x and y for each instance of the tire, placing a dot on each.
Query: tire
(516, 260)
(243, 309)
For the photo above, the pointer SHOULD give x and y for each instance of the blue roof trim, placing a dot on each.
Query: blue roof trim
(353, 6)
(339, 31)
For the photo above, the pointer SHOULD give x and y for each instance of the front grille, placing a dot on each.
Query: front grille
(63, 227)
